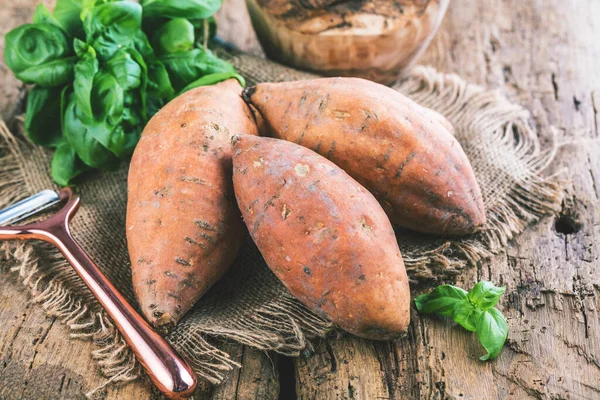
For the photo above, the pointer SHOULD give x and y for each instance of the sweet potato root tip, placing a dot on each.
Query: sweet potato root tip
(247, 93)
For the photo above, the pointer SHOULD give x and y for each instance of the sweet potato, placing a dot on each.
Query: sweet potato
(400, 151)
(324, 236)
(183, 225)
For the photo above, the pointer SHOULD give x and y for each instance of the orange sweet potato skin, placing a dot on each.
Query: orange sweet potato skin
(402, 152)
(324, 236)
(183, 225)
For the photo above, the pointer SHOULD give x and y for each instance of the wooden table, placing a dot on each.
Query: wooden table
(545, 54)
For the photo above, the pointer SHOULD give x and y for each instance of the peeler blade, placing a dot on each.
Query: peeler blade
(28, 207)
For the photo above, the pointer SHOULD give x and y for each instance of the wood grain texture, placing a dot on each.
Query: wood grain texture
(544, 54)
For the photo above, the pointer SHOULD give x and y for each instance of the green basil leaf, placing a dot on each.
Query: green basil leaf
(492, 331)
(87, 5)
(442, 300)
(185, 68)
(111, 26)
(126, 66)
(94, 114)
(466, 315)
(65, 164)
(108, 103)
(132, 122)
(67, 13)
(81, 48)
(175, 36)
(485, 295)
(159, 90)
(191, 9)
(42, 15)
(42, 116)
(211, 79)
(143, 89)
(85, 71)
(51, 74)
(39, 54)
(77, 129)
(107, 99)
(130, 69)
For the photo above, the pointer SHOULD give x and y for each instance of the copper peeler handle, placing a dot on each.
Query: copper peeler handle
(171, 374)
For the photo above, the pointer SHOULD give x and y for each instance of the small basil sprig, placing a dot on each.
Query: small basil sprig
(473, 310)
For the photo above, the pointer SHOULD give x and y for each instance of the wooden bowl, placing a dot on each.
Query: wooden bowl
(376, 39)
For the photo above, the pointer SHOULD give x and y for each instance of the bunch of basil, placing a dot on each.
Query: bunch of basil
(98, 78)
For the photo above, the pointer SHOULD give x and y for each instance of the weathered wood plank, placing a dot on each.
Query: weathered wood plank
(257, 379)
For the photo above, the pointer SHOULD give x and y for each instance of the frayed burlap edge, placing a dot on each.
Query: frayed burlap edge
(284, 327)
(530, 198)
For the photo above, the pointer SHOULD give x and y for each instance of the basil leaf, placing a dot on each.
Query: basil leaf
(111, 26)
(106, 100)
(82, 48)
(107, 104)
(159, 90)
(43, 15)
(466, 315)
(39, 54)
(132, 121)
(65, 164)
(211, 79)
(185, 68)
(441, 300)
(190, 9)
(42, 116)
(175, 36)
(121, 18)
(142, 45)
(127, 66)
(54, 73)
(85, 71)
(67, 13)
(130, 70)
(77, 130)
(492, 331)
(485, 295)
(93, 115)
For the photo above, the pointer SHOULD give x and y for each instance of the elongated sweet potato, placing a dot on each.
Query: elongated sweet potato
(183, 226)
(323, 235)
(400, 151)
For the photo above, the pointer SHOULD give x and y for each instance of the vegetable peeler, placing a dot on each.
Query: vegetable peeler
(171, 374)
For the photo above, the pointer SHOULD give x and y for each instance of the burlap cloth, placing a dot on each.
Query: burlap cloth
(249, 305)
